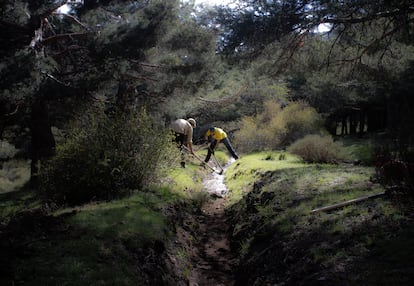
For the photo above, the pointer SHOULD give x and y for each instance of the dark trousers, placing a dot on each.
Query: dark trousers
(180, 140)
(226, 142)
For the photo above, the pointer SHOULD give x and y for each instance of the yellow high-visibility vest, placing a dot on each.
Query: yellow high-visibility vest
(218, 134)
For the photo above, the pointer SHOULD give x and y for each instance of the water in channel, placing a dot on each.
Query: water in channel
(214, 183)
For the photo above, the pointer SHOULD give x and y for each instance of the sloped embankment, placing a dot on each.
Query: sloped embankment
(280, 242)
(123, 242)
(204, 235)
(213, 262)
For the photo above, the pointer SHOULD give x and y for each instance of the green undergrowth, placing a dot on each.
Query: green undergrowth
(14, 174)
(119, 242)
(14, 202)
(279, 240)
(96, 244)
(271, 203)
(241, 175)
(188, 181)
(221, 154)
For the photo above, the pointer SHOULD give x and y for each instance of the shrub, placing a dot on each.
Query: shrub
(276, 127)
(247, 138)
(7, 150)
(317, 149)
(295, 121)
(103, 156)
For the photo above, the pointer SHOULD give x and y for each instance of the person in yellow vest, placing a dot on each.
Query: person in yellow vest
(183, 131)
(218, 135)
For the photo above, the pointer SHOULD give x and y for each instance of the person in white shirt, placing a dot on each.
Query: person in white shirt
(183, 131)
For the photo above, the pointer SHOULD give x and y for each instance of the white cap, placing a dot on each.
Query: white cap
(192, 122)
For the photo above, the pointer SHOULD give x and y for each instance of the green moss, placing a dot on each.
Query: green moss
(241, 175)
(280, 208)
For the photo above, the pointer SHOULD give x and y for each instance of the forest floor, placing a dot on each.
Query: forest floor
(265, 235)
(213, 262)
(373, 255)
(281, 241)
(212, 259)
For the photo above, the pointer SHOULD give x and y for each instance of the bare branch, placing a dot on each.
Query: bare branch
(52, 9)
(55, 79)
(332, 47)
(14, 111)
(76, 20)
(63, 36)
(351, 20)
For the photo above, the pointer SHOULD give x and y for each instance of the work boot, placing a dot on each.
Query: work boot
(182, 164)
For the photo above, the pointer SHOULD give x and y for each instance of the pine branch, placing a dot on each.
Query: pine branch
(58, 37)
(351, 20)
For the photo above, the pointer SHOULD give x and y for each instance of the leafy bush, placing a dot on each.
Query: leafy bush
(295, 121)
(318, 149)
(7, 150)
(364, 152)
(277, 127)
(104, 156)
(245, 141)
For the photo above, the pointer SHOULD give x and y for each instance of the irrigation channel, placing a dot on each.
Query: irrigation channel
(213, 262)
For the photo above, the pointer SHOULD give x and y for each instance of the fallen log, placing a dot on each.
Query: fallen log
(342, 204)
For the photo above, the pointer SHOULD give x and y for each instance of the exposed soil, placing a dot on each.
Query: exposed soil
(212, 259)
(375, 248)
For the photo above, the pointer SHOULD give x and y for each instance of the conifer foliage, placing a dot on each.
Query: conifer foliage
(93, 51)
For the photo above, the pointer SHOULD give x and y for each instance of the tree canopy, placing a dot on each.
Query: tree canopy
(171, 56)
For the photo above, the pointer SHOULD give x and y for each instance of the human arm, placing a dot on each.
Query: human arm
(190, 140)
(190, 147)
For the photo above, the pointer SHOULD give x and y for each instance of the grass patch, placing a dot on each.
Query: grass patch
(96, 244)
(271, 204)
(135, 216)
(120, 242)
(241, 175)
(364, 150)
(14, 202)
(14, 174)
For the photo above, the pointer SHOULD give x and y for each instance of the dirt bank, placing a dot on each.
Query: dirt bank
(212, 259)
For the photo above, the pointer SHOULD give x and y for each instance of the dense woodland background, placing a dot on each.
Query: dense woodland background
(232, 67)
(86, 96)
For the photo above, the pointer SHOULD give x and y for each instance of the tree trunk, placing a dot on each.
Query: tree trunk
(331, 124)
(361, 123)
(121, 96)
(352, 124)
(375, 119)
(43, 141)
(344, 129)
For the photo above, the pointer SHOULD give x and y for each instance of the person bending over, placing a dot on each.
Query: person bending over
(218, 135)
(183, 131)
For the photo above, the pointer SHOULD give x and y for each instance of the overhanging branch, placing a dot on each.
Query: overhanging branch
(58, 37)
(351, 20)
